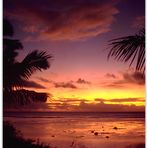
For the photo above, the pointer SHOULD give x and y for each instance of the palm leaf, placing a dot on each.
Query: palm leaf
(12, 44)
(33, 61)
(24, 97)
(7, 28)
(9, 49)
(16, 74)
(130, 48)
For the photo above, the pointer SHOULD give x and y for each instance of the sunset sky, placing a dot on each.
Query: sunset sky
(77, 33)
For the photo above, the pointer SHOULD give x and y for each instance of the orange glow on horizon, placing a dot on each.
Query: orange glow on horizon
(94, 91)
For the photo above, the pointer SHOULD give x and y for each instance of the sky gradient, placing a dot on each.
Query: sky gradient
(77, 33)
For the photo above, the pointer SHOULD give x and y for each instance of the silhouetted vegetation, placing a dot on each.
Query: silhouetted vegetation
(16, 73)
(7, 28)
(130, 48)
(26, 96)
(14, 138)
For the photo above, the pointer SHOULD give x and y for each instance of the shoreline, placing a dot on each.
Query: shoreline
(88, 131)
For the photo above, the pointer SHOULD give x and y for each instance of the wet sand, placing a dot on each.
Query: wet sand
(84, 132)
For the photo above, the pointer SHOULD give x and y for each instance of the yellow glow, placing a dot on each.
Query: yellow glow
(128, 103)
(92, 94)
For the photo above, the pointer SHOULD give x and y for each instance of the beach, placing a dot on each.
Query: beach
(87, 130)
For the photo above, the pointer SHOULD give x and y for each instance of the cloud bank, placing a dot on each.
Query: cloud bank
(83, 105)
(32, 84)
(135, 78)
(62, 19)
(65, 85)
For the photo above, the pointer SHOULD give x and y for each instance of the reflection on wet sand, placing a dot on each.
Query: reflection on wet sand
(84, 132)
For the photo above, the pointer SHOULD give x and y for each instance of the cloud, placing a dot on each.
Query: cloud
(139, 22)
(136, 78)
(83, 105)
(65, 85)
(32, 84)
(110, 75)
(102, 107)
(44, 80)
(69, 84)
(71, 100)
(82, 81)
(119, 100)
(114, 85)
(62, 19)
(97, 107)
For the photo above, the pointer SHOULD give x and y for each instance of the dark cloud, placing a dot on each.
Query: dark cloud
(32, 84)
(44, 80)
(98, 107)
(70, 84)
(114, 85)
(102, 107)
(136, 78)
(71, 100)
(83, 106)
(119, 100)
(82, 81)
(110, 75)
(62, 19)
(65, 85)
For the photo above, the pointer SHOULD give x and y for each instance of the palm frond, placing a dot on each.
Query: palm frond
(11, 77)
(7, 28)
(9, 49)
(33, 61)
(15, 74)
(24, 97)
(129, 48)
(12, 44)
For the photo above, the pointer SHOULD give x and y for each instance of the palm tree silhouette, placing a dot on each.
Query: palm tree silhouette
(15, 73)
(130, 48)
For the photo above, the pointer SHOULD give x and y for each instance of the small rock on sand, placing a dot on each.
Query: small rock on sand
(96, 133)
(115, 128)
(107, 137)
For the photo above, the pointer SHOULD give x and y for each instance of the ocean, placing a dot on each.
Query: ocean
(81, 129)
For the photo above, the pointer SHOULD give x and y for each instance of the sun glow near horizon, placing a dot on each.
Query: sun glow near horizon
(110, 88)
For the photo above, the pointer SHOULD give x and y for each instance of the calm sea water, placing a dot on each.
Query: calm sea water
(75, 114)
(65, 129)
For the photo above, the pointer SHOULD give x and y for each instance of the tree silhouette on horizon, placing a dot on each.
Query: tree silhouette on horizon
(130, 48)
(16, 73)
